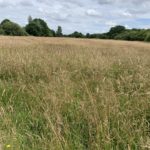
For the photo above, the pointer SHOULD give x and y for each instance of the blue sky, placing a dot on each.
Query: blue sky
(93, 16)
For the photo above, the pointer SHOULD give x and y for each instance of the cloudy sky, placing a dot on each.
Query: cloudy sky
(93, 16)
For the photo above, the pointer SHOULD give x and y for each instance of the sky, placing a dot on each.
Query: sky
(87, 16)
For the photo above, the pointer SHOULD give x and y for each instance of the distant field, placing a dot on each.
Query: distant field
(74, 94)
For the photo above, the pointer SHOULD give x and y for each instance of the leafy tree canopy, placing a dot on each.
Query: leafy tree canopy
(38, 27)
(10, 28)
(116, 30)
(59, 31)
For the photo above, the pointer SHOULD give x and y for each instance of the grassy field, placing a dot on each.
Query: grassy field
(74, 94)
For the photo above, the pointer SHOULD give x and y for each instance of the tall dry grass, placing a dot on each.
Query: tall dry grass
(58, 93)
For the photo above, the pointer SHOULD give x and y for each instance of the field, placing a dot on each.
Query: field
(74, 94)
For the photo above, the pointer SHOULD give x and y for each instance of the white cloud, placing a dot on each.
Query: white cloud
(82, 15)
(92, 12)
(127, 14)
(110, 23)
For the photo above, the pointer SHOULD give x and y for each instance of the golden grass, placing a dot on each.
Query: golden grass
(63, 93)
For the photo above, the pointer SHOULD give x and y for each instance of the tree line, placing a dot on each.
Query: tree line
(38, 27)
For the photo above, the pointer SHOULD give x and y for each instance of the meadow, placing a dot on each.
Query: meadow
(74, 94)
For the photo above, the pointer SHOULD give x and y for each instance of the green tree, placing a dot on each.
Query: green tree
(53, 33)
(5, 21)
(10, 28)
(114, 31)
(38, 27)
(1, 31)
(30, 19)
(88, 35)
(59, 32)
(132, 35)
(147, 38)
(77, 35)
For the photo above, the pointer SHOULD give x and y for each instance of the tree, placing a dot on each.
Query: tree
(88, 35)
(30, 19)
(147, 38)
(53, 33)
(10, 28)
(5, 21)
(59, 32)
(76, 35)
(38, 27)
(132, 35)
(114, 31)
(1, 31)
